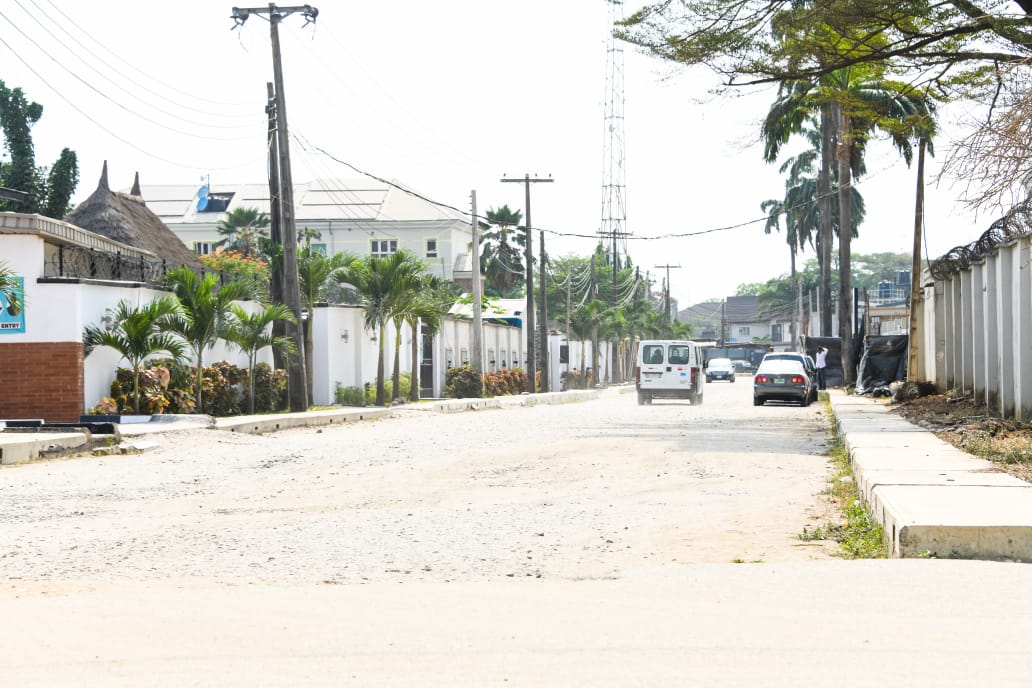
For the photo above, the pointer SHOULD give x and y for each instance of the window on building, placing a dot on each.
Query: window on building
(465, 357)
(431, 248)
(319, 248)
(743, 331)
(384, 247)
(775, 333)
(203, 248)
(214, 202)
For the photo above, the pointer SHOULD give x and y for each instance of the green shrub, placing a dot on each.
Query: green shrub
(223, 384)
(463, 382)
(180, 391)
(270, 388)
(153, 384)
(351, 396)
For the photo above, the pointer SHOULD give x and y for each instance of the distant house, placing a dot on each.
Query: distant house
(359, 216)
(705, 319)
(748, 322)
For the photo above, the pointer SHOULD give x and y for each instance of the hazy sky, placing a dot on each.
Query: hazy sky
(445, 98)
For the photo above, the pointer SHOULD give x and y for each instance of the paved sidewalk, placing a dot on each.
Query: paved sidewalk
(931, 498)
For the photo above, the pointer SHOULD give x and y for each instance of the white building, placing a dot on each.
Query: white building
(356, 215)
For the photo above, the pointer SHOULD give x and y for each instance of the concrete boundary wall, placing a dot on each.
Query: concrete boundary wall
(977, 330)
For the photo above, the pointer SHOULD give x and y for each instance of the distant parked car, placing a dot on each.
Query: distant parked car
(806, 360)
(720, 369)
(742, 366)
(783, 380)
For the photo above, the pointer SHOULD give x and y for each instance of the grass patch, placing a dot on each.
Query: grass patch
(859, 536)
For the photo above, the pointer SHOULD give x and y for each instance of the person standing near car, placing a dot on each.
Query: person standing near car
(822, 363)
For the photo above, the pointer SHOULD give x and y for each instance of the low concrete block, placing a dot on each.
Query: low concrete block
(967, 521)
(18, 448)
(870, 480)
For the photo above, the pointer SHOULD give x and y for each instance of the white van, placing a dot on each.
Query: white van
(669, 369)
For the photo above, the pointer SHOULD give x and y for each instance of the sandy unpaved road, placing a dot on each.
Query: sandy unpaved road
(584, 544)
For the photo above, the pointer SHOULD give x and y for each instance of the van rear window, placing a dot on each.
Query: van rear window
(652, 353)
(679, 355)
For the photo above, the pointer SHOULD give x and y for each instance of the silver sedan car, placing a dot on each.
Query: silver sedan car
(782, 380)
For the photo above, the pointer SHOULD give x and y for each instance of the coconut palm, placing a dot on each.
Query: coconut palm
(378, 280)
(501, 260)
(244, 230)
(205, 308)
(405, 290)
(138, 332)
(10, 290)
(316, 272)
(252, 332)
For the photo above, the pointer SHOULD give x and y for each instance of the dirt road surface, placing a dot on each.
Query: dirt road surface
(598, 543)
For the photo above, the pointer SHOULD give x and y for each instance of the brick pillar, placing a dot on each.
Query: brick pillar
(41, 380)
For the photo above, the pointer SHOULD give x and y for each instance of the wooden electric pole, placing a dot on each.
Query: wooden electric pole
(666, 290)
(296, 378)
(478, 322)
(528, 317)
(544, 317)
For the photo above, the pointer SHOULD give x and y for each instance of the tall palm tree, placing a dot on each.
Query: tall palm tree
(378, 281)
(427, 306)
(10, 290)
(205, 311)
(316, 272)
(501, 261)
(244, 230)
(252, 332)
(864, 102)
(138, 332)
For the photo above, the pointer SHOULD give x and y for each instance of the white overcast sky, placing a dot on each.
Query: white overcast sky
(444, 97)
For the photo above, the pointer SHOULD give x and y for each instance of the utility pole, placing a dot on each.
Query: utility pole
(478, 324)
(544, 317)
(296, 377)
(279, 328)
(529, 315)
(666, 291)
(913, 374)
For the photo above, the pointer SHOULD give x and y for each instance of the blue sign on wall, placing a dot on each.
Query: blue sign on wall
(12, 316)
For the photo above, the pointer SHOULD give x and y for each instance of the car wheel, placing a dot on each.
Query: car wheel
(757, 401)
(732, 378)
(696, 399)
(641, 399)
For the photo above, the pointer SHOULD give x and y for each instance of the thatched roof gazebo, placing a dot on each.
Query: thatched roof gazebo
(126, 218)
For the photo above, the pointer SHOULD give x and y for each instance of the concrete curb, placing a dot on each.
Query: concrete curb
(931, 498)
(24, 447)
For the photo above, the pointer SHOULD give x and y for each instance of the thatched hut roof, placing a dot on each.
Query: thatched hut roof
(126, 218)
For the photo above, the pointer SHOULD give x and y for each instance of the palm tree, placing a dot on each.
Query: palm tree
(427, 304)
(316, 272)
(138, 332)
(205, 310)
(379, 281)
(10, 290)
(864, 102)
(252, 332)
(501, 261)
(244, 230)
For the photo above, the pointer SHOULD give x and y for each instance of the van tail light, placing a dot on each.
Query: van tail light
(637, 373)
(762, 379)
(797, 379)
(695, 375)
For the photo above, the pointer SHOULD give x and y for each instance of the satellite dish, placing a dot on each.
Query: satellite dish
(202, 197)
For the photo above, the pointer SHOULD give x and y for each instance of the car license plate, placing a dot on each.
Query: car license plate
(779, 381)
(648, 374)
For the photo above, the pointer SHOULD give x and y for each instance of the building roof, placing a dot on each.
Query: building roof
(125, 218)
(742, 309)
(359, 199)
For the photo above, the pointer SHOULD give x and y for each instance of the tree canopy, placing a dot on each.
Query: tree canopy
(49, 189)
(950, 44)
